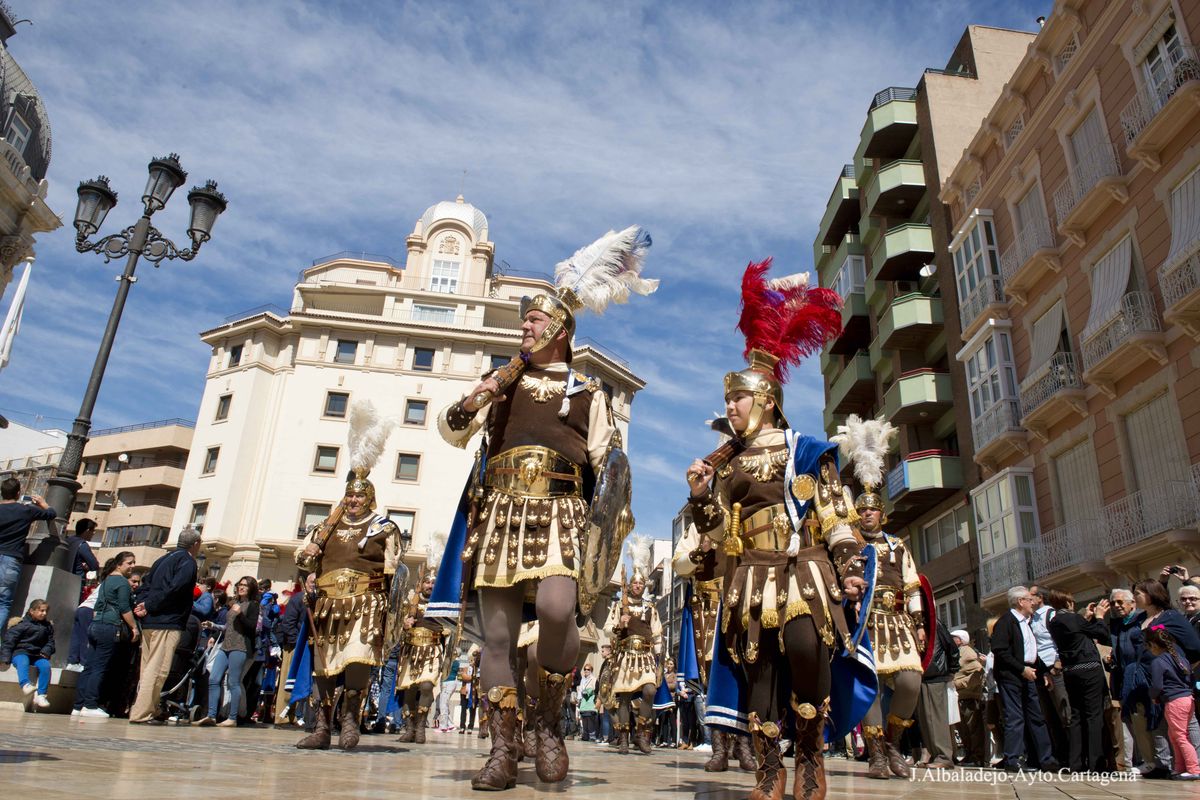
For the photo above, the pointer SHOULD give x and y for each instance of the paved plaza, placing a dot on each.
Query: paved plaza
(51, 757)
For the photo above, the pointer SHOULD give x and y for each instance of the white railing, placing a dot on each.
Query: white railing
(1014, 130)
(1137, 315)
(1146, 512)
(1066, 54)
(1004, 417)
(1001, 572)
(1099, 164)
(1035, 237)
(972, 191)
(990, 291)
(1145, 105)
(1068, 545)
(1182, 280)
(1057, 374)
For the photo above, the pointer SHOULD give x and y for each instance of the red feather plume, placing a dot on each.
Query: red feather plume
(786, 319)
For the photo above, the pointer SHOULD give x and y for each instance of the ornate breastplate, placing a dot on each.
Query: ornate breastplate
(764, 467)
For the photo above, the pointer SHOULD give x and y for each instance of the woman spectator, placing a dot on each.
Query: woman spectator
(468, 692)
(113, 623)
(31, 643)
(241, 632)
(587, 703)
(993, 713)
(1075, 636)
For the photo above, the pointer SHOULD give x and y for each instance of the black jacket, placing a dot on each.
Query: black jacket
(1008, 650)
(1075, 638)
(34, 639)
(167, 591)
(288, 627)
(944, 662)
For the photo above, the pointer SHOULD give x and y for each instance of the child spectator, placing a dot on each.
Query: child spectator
(31, 641)
(1170, 687)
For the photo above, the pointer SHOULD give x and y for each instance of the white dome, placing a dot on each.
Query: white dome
(459, 210)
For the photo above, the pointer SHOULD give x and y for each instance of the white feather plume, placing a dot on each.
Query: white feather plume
(641, 552)
(437, 546)
(789, 281)
(369, 432)
(865, 443)
(608, 269)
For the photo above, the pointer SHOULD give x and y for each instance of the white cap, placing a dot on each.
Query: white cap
(961, 634)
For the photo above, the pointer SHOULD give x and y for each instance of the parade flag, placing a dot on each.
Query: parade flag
(854, 681)
(12, 321)
(686, 665)
(300, 675)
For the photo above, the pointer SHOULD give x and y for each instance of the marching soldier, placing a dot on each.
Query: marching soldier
(636, 631)
(420, 661)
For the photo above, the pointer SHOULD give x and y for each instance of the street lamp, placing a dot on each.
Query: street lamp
(96, 199)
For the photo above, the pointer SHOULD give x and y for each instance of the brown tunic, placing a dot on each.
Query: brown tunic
(636, 666)
(897, 594)
(420, 659)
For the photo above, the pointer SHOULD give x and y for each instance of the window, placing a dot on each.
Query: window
(198, 516)
(223, 407)
(1112, 278)
(1160, 461)
(336, 403)
(1091, 152)
(607, 388)
(851, 278)
(442, 314)
(951, 610)
(210, 461)
(1078, 483)
(103, 501)
(498, 362)
(991, 375)
(136, 536)
(91, 467)
(444, 276)
(1005, 516)
(326, 460)
(408, 467)
(347, 349)
(976, 262)
(312, 514)
(18, 133)
(235, 355)
(113, 464)
(414, 412)
(406, 521)
(1185, 222)
(81, 504)
(945, 533)
(1159, 67)
(423, 359)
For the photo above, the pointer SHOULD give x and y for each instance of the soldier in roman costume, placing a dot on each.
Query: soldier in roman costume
(355, 553)
(897, 615)
(635, 630)
(771, 499)
(692, 560)
(420, 661)
(548, 433)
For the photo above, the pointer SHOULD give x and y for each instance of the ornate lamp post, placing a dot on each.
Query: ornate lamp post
(96, 199)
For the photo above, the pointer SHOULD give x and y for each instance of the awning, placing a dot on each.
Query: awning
(1110, 282)
(1047, 330)
(1185, 220)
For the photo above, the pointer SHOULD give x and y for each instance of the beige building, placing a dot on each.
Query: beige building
(269, 452)
(1076, 216)
(24, 158)
(883, 246)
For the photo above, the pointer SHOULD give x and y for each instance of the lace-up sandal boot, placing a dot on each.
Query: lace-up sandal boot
(550, 757)
(809, 782)
(351, 707)
(719, 760)
(500, 771)
(772, 777)
(891, 745)
(319, 739)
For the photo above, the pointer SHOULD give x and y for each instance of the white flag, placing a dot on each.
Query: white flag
(12, 321)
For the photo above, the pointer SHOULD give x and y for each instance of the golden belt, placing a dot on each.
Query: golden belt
(708, 588)
(533, 471)
(420, 637)
(638, 644)
(348, 583)
(884, 599)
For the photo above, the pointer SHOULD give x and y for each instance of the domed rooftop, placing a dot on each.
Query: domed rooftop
(459, 210)
(17, 93)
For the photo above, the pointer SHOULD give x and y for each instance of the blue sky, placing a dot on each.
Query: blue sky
(720, 127)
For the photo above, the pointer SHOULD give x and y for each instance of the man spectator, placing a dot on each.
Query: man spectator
(933, 714)
(82, 559)
(15, 520)
(1124, 627)
(164, 606)
(1189, 604)
(1016, 667)
(1052, 690)
(968, 681)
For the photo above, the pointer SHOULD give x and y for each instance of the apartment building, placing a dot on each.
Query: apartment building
(1076, 260)
(883, 245)
(269, 453)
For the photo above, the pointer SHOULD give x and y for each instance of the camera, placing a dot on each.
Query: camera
(1174, 570)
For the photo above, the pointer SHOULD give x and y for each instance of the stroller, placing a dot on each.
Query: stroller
(185, 692)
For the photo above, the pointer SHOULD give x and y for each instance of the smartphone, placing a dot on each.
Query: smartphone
(27, 499)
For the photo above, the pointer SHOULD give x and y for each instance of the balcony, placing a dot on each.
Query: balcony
(1153, 119)
(891, 124)
(1001, 572)
(1033, 256)
(986, 302)
(841, 212)
(1181, 294)
(901, 252)
(854, 388)
(1092, 185)
(918, 396)
(910, 322)
(830, 256)
(121, 516)
(1052, 392)
(998, 435)
(1131, 337)
(1141, 515)
(856, 326)
(896, 188)
(1075, 544)
(920, 481)
(150, 476)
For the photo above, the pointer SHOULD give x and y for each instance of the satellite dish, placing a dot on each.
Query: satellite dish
(123, 458)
